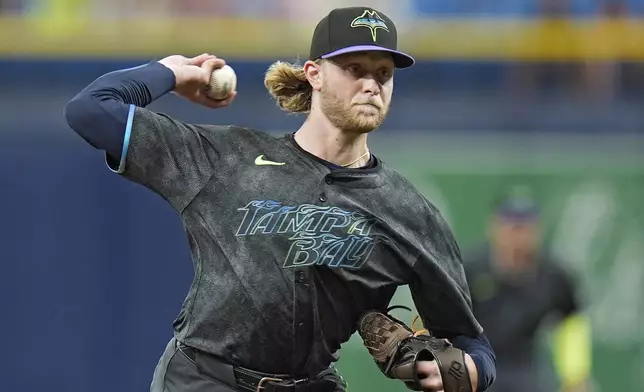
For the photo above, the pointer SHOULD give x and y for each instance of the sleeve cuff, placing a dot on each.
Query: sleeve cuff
(119, 167)
(159, 80)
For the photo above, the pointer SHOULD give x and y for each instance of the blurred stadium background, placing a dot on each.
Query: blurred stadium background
(547, 93)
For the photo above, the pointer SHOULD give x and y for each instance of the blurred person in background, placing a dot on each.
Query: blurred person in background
(195, 8)
(518, 288)
(11, 6)
(247, 9)
(124, 10)
(536, 78)
(602, 76)
(299, 11)
(258, 9)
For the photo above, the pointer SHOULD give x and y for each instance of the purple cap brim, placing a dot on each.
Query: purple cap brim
(401, 60)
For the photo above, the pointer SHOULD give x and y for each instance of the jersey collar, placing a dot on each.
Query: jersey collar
(370, 177)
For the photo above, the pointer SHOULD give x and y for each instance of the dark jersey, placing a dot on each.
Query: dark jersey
(513, 311)
(287, 253)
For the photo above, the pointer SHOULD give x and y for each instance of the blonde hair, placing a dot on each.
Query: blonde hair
(287, 83)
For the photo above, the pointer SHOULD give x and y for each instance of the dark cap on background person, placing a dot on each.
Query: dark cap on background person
(357, 29)
(518, 205)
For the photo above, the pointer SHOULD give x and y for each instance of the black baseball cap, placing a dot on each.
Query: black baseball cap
(517, 208)
(357, 29)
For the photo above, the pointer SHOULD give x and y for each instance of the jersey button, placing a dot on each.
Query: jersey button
(323, 197)
(299, 277)
(328, 180)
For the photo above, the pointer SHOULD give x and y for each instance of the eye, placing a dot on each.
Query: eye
(354, 69)
(385, 74)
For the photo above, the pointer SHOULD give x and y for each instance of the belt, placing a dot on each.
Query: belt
(249, 380)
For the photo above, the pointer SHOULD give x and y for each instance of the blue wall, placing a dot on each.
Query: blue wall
(436, 95)
(94, 268)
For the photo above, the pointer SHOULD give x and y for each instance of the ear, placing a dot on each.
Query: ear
(313, 73)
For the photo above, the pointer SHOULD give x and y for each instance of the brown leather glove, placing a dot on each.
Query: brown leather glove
(396, 350)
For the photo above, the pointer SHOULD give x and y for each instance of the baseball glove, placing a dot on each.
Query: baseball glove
(396, 349)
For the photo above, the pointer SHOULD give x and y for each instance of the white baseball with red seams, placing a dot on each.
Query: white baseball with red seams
(223, 81)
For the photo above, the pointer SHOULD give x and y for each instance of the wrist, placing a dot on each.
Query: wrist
(172, 77)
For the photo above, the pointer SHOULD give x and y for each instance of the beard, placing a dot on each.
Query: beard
(351, 117)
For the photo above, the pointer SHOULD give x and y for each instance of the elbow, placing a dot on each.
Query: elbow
(83, 115)
(87, 117)
(98, 120)
(76, 113)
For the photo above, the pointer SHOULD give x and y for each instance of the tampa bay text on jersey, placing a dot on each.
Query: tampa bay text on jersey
(320, 235)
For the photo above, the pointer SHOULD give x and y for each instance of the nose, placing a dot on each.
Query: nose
(370, 86)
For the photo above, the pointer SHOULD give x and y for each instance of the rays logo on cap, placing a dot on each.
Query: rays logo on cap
(372, 21)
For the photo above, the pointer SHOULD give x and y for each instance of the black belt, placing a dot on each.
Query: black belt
(249, 380)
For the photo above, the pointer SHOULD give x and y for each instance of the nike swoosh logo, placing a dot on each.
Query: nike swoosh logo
(260, 161)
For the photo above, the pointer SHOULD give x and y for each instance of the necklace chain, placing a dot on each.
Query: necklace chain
(359, 158)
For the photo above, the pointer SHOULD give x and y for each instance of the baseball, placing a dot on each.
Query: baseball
(223, 81)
